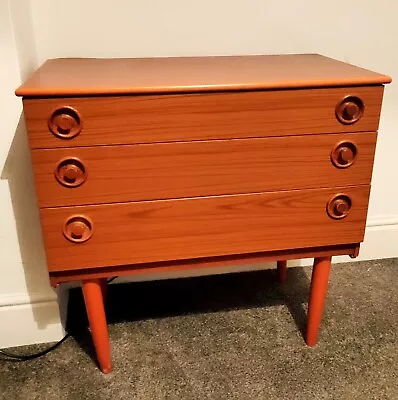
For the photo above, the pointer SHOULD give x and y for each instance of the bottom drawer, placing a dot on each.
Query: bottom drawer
(127, 233)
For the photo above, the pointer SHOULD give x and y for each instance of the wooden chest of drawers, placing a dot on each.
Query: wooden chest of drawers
(160, 164)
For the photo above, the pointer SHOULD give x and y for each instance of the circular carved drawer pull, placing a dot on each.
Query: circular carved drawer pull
(65, 123)
(349, 110)
(71, 172)
(78, 229)
(344, 154)
(339, 206)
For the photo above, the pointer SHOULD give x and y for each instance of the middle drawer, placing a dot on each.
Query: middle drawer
(106, 174)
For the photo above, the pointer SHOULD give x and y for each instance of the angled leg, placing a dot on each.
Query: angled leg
(282, 271)
(104, 288)
(319, 285)
(92, 292)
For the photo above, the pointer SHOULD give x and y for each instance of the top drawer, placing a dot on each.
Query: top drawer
(90, 121)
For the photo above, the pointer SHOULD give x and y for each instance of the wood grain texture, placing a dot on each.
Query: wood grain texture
(165, 230)
(57, 277)
(147, 119)
(65, 77)
(160, 165)
(189, 169)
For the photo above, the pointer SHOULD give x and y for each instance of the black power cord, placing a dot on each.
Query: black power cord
(26, 357)
(112, 279)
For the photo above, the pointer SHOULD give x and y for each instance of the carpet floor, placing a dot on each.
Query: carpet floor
(235, 336)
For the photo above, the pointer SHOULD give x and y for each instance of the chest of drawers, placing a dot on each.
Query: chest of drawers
(146, 165)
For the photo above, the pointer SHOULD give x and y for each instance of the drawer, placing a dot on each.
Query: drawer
(106, 174)
(166, 118)
(138, 232)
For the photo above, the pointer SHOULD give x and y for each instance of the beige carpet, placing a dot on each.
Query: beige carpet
(235, 336)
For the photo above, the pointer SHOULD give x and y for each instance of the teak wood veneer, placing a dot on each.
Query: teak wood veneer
(167, 164)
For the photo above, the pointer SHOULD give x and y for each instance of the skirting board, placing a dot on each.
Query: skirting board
(381, 241)
(34, 319)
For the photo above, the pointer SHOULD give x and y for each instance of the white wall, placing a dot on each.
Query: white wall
(360, 32)
(28, 306)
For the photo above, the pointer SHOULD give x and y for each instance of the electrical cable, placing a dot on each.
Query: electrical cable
(35, 355)
(26, 357)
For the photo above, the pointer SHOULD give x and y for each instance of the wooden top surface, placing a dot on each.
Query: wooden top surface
(92, 76)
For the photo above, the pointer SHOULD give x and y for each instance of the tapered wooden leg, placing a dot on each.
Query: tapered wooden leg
(104, 288)
(92, 292)
(319, 285)
(282, 271)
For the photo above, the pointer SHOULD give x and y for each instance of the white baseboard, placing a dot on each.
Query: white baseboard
(381, 241)
(31, 319)
(37, 319)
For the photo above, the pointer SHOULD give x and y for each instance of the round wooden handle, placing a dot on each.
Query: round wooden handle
(349, 110)
(344, 154)
(339, 206)
(65, 122)
(71, 172)
(78, 229)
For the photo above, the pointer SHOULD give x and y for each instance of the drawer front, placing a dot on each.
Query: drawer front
(116, 234)
(146, 119)
(107, 174)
